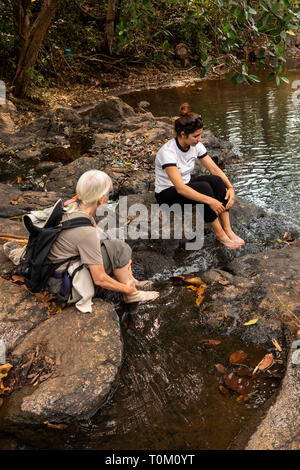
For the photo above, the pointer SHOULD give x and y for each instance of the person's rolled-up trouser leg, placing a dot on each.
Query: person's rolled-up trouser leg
(116, 254)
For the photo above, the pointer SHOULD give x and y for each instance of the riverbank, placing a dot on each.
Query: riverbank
(124, 143)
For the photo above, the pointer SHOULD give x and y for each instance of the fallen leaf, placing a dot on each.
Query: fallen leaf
(251, 322)
(224, 283)
(241, 397)
(243, 372)
(224, 391)
(265, 363)
(234, 383)
(17, 278)
(200, 294)
(277, 346)
(220, 368)
(211, 342)
(5, 368)
(1, 402)
(196, 281)
(14, 203)
(19, 179)
(58, 427)
(238, 357)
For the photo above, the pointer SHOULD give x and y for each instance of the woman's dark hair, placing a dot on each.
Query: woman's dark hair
(188, 122)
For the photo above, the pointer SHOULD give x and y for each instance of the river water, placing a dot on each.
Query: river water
(262, 122)
(167, 395)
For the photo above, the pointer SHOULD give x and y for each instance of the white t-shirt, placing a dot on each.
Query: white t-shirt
(171, 154)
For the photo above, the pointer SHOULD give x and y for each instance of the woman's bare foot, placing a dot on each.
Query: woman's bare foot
(140, 296)
(225, 240)
(143, 284)
(234, 237)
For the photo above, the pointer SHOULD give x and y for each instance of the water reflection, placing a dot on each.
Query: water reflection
(262, 121)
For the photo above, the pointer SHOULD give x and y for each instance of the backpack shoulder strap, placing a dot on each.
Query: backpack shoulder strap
(77, 222)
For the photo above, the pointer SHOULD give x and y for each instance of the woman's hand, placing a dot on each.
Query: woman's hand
(230, 195)
(131, 288)
(216, 206)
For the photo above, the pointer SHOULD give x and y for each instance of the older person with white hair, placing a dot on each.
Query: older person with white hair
(104, 257)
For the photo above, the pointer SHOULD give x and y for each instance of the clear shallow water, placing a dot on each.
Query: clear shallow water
(263, 123)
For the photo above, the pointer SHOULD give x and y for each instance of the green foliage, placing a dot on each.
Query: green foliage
(150, 30)
(268, 24)
(8, 40)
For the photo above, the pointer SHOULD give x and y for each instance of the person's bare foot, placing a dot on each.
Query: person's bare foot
(230, 244)
(143, 284)
(141, 296)
(234, 237)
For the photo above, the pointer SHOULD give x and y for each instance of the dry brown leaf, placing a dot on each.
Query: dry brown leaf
(58, 427)
(211, 342)
(5, 368)
(224, 391)
(234, 383)
(223, 283)
(17, 278)
(238, 357)
(265, 363)
(220, 368)
(1, 402)
(14, 203)
(200, 294)
(196, 281)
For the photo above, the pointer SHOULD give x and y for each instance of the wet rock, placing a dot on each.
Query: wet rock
(279, 429)
(260, 288)
(86, 351)
(20, 312)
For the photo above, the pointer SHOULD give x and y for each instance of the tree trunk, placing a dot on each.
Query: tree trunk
(33, 37)
(110, 24)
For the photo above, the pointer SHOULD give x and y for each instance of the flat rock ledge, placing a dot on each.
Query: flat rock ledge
(86, 353)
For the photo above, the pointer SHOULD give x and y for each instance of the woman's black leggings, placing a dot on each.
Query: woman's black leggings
(210, 185)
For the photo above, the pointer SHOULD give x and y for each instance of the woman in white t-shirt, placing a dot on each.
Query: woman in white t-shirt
(174, 164)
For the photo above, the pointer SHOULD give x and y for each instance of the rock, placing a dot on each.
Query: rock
(7, 125)
(64, 179)
(86, 351)
(20, 312)
(66, 114)
(110, 113)
(182, 51)
(103, 140)
(279, 430)
(260, 284)
(23, 201)
(142, 105)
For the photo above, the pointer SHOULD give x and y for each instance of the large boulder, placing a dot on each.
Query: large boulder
(263, 286)
(85, 352)
(279, 429)
(15, 202)
(20, 312)
(110, 113)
